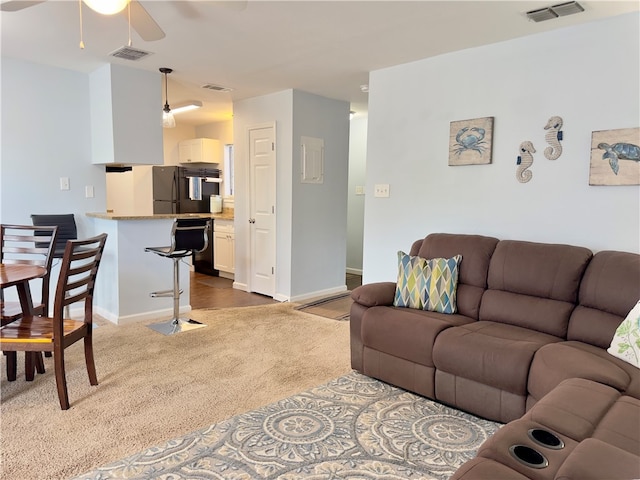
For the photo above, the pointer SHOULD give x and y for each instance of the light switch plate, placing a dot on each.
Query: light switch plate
(381, 190)
(64, 183)
(88, 191)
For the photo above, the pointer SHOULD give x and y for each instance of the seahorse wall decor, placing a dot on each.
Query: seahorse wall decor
(553, 137)
(525, 160)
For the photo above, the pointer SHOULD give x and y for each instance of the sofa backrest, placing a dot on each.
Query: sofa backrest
(476, 251)
(609, 290)
(534, 285)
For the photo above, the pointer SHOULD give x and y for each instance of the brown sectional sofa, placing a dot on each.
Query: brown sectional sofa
(532, 318)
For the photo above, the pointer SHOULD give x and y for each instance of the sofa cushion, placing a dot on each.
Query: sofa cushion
(621, 425)
(491, 353)
(406, 333)
(476, 251)
(574, 408)
(626, 341)
(608, 291)
(534, 285)
(557, 362)
(593, 459)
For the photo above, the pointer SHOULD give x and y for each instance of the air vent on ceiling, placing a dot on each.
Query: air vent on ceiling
(129, 53)
(560, 10)
(217, 88)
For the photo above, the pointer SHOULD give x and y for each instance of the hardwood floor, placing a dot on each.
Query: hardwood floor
(218, 292)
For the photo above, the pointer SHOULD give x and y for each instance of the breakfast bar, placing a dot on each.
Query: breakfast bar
(128, 274)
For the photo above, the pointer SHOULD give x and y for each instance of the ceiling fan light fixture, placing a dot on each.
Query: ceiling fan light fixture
(107, 7)
(167, 115)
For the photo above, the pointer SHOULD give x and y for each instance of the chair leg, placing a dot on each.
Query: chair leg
(39, 362)
(29, 366)
(88, 356)
(176, 289)
(61, 380)
(12, 365)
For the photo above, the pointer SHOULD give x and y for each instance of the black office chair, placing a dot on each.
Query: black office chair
(67, 229)
(188, 236)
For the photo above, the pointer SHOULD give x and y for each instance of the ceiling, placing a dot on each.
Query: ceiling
(259, 47)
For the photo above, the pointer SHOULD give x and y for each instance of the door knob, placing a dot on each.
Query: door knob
(252, 220)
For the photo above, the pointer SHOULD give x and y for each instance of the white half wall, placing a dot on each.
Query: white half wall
(588, 75)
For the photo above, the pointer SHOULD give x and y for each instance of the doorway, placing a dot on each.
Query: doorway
(262, 218)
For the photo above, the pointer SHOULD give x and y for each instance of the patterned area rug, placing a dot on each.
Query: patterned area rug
(352, 427)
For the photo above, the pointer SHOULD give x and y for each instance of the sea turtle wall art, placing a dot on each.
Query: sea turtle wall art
(470, 141)
(615, 157)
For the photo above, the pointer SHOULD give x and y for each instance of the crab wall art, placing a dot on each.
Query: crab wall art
(615, 157)
(470, 141)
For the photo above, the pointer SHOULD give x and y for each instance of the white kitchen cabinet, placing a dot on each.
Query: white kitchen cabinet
(200, 150)
(223, 246)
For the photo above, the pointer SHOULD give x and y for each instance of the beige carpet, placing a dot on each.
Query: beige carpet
(154, 388)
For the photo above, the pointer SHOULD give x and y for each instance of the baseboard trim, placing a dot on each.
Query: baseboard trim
(318, 294)
(157, 315)
(354, 271)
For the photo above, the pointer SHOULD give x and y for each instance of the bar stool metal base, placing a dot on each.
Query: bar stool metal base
(177, 325)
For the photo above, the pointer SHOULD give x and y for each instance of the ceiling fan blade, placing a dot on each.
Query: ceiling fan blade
(143, 23)
(15, 5)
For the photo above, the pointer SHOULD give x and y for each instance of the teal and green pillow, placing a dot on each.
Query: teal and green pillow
(411, 281)
(427, 284)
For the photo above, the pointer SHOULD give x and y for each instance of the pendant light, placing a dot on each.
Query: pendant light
(167, 115)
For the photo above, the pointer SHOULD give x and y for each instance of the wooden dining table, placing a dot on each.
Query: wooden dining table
(19, 275)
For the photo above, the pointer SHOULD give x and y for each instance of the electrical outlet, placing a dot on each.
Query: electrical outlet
(64, 183)
(381, 190)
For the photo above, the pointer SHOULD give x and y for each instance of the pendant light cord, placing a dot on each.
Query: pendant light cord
(166, 94)
(80, 10)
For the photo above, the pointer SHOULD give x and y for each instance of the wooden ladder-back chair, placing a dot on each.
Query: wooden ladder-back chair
(76, 283)
(24, 244)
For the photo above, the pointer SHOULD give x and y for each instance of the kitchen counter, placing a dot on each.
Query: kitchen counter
(128, 274)
(226, 214)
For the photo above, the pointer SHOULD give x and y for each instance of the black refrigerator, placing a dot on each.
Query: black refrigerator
(171, 188)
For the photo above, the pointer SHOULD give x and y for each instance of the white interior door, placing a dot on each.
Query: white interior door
(262, 157)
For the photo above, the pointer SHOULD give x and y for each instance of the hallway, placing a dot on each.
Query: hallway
(218, 292)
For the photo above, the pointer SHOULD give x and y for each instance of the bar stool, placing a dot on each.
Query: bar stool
(188, 236)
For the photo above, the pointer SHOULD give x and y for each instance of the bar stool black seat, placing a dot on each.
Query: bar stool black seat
(188, 236)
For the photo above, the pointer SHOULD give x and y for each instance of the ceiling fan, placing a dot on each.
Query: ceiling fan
(141, 21)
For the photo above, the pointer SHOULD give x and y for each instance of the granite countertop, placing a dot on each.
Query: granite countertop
(226, 214)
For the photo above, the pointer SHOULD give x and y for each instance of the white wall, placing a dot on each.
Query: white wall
(46, 135)
(587, 74)
(268, 109)
(222, 131)
(310, 222)
(355, 202)
(319, 211)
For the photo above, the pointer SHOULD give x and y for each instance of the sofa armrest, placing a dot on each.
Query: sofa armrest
(375, 294)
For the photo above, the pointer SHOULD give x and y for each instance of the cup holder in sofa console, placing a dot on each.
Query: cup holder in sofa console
(528, 456)
(545, 438)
